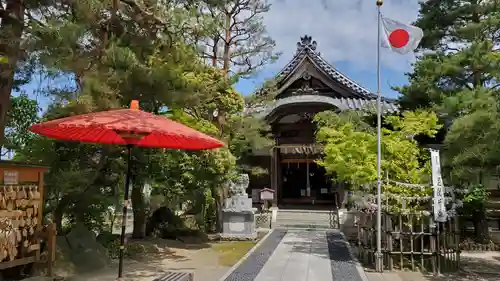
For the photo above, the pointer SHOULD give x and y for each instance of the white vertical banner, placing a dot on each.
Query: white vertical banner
(437, 186)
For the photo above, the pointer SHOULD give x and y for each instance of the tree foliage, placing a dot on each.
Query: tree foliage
(23, 112)
(458, 77)
(350, 146)
(117, 51)
(350, 156)
(460, 43)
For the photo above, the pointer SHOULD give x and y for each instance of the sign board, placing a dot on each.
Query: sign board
(437, 185)
(10, 177)
(117, 224)
(267, 194)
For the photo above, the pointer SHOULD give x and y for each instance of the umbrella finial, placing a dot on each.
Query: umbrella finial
(134, 104)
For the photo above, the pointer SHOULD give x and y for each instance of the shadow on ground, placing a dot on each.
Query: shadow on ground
(309, 242)
(203, 262)
(486, 267)
(81, 258)
(167, 249)
(473, 267)
(312, 241)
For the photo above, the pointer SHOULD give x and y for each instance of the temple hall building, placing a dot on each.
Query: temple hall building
(307, 85)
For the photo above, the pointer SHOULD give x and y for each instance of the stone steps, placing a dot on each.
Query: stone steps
(320, 219)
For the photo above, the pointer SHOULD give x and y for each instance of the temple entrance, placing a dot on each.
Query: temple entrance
(304, 182)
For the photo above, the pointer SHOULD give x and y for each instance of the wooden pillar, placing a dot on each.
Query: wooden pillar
(51, 247)
(279, 177)
(275, 173)
(272, 171)
(42, 193)
(40, 214)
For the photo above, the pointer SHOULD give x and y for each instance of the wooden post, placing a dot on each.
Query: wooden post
(401, 249)
(390, 243)
(422, 244)
(278, 183)
(273, 169)
(40, 208)
(42, 193)
(434, 246)
(51, 247)
(456, 235)
(438, 246)
(412, 246)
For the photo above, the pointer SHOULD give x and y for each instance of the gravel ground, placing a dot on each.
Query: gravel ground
(162, 256)
(343, 266)
(250, 268)
(202, 262)
(478, 266)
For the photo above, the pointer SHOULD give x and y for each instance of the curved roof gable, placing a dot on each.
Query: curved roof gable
(307, 48)
(354, 97)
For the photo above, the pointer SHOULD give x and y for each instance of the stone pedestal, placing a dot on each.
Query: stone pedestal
(238, 225)
(238, 218)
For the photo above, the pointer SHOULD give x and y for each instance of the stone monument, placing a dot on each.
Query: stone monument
(238, 216)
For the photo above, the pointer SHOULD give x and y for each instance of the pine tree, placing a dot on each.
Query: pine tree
(458, 76)
(238, 44)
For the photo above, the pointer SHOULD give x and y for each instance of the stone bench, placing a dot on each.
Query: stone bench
(176, 276)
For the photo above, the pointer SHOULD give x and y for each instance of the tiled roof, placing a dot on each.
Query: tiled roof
(307, 47)
(361, 99)
(340, 103)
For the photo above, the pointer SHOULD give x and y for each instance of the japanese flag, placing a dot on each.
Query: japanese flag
(401, 38)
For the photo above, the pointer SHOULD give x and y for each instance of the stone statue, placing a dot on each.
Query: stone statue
(238, 215)
(239, 185)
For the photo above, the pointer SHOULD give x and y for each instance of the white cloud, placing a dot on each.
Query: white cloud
(345, 30)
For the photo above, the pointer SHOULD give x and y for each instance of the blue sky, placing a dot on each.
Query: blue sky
(346, 33)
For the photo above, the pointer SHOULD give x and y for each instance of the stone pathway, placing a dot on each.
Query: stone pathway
(298, 255)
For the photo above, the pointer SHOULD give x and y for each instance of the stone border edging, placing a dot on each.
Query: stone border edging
(242, 259)
(358, 265)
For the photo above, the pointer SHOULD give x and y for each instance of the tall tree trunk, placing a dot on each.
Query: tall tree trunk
(218, 215)
(10, 40)
(140, 211)
(227, 46)
(214, 51)
(481, 231)
(58, 213)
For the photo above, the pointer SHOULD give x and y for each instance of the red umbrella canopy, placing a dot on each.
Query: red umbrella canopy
(126, 126)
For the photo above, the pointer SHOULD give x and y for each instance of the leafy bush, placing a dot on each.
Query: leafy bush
(164, 223)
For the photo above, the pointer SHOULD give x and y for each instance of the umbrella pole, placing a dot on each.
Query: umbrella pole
(124, 212)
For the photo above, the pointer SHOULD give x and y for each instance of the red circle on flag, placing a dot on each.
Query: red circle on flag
(399, 38)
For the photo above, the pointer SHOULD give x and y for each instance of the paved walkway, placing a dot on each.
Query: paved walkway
(298, 255)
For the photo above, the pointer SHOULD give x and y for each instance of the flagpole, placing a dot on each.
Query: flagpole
(378, 254)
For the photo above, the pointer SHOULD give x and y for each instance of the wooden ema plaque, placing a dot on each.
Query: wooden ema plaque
(21, 213)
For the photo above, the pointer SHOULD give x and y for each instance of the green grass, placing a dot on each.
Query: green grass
(231, 252)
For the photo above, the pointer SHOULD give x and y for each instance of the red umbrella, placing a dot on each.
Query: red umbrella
(130, 127)
(126, 127)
